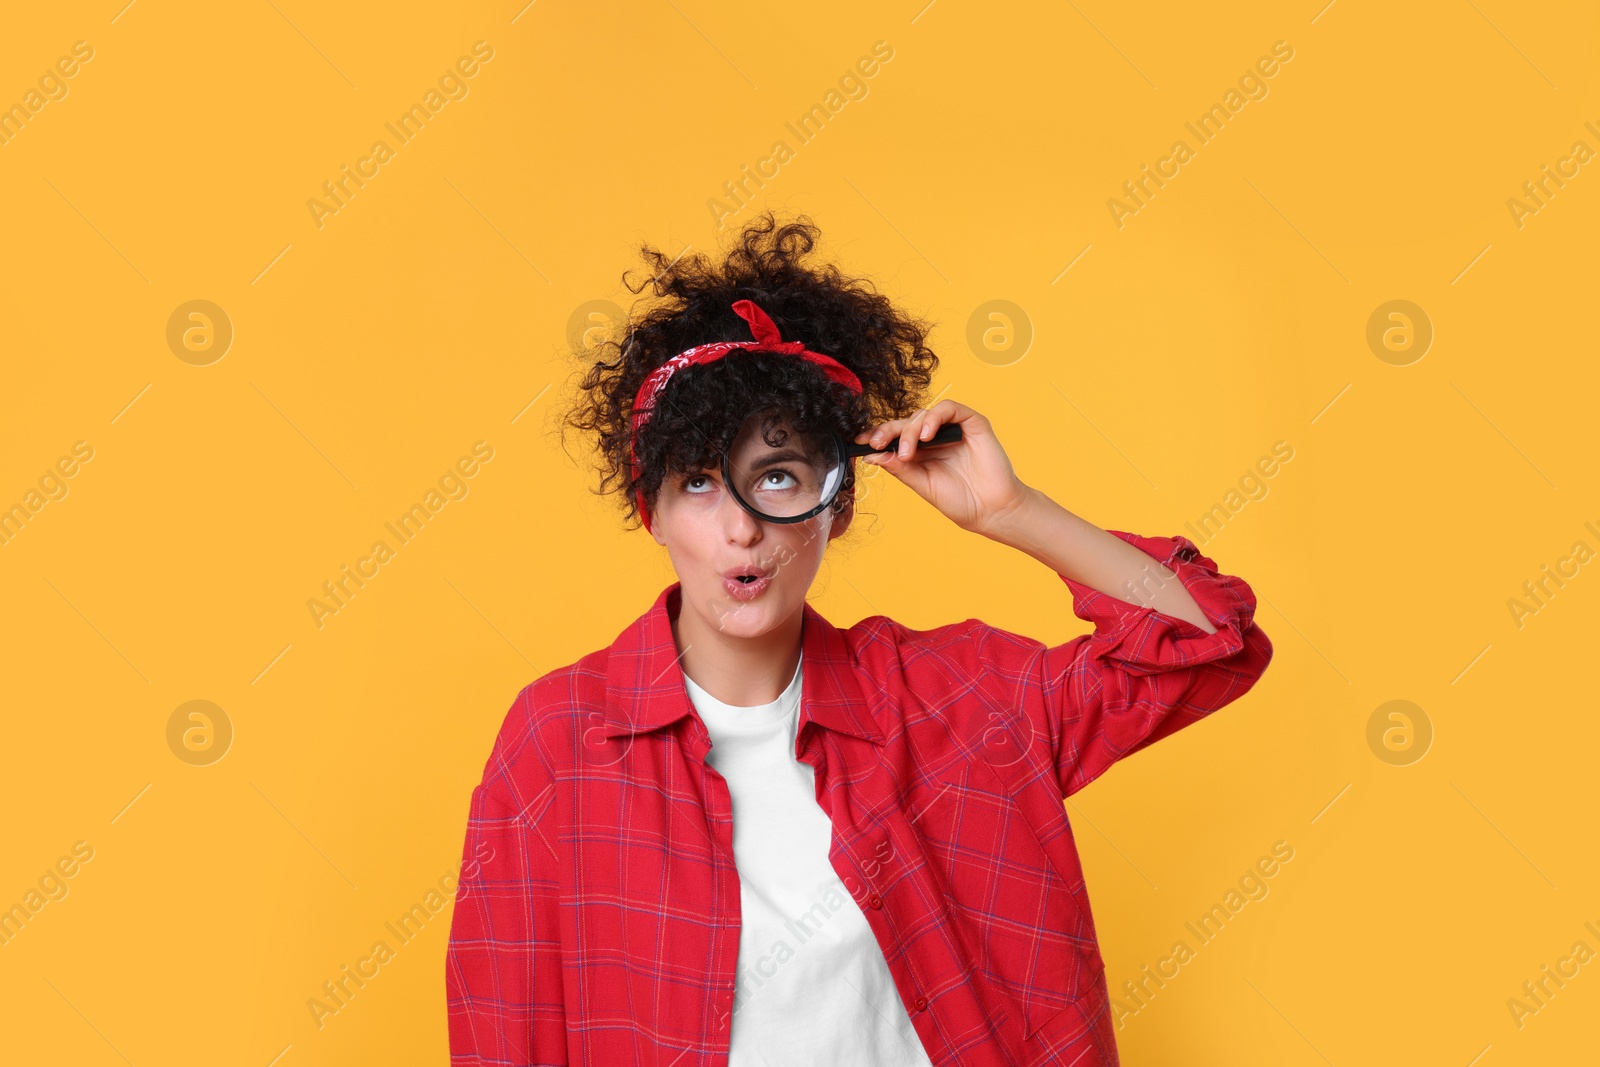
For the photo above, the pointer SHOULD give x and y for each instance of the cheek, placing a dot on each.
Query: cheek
(799, 552)
(687, 532)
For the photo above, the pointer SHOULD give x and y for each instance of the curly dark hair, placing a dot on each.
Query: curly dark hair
(698, 413)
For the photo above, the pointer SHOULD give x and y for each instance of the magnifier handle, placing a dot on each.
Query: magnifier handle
(948, 434)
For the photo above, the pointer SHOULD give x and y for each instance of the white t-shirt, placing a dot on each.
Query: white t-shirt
(813, 986)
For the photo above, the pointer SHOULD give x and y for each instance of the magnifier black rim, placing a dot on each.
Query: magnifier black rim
(844, 483)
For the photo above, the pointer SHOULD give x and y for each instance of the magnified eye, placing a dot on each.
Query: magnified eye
(780, 472)
(777, 479)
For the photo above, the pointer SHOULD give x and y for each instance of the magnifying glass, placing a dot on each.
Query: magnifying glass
(780, 474)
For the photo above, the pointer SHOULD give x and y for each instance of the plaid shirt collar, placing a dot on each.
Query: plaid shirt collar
(644, 678)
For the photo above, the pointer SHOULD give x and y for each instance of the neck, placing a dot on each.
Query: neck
(744, 672)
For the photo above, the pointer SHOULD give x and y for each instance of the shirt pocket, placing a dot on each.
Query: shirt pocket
(1024, 928)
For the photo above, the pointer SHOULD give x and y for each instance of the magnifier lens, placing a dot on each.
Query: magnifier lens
(782, 474)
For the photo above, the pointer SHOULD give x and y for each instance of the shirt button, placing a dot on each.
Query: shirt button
(875, 900)
(921, 1002)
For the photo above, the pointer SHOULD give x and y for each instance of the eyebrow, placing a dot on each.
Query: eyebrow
(782, 456)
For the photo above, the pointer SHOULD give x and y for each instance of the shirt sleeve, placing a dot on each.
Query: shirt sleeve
(1143, 675)
(503, 981)
(1140, 676)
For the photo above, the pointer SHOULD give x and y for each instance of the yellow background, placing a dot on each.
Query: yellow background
(432, 311)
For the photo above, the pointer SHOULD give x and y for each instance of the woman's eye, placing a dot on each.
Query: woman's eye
(697, 483)
(778, 479)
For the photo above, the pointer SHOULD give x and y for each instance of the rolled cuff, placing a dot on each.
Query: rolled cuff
(1146, 640)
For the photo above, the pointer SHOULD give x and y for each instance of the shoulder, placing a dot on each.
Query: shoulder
(545, 720)
(957, 692)
(952, 672)
(948, 649)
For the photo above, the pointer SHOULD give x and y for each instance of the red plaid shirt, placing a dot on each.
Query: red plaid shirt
(597, 919)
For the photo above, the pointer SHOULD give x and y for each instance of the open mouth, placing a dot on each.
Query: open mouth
(746, 584)
(748, 575)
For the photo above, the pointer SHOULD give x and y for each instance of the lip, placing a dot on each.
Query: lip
(746, 590)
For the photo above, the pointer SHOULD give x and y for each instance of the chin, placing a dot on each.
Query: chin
(748, 618)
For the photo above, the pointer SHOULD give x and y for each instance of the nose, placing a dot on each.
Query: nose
(739, 526)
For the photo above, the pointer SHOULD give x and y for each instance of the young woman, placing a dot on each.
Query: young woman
(739, 834)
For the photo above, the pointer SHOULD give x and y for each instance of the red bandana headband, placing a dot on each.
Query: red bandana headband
(767, 339)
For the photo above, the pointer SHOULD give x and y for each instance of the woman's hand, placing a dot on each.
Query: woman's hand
(971, 481)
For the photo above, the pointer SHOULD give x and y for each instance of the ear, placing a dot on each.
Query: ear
(842, 518)
(654, 529)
